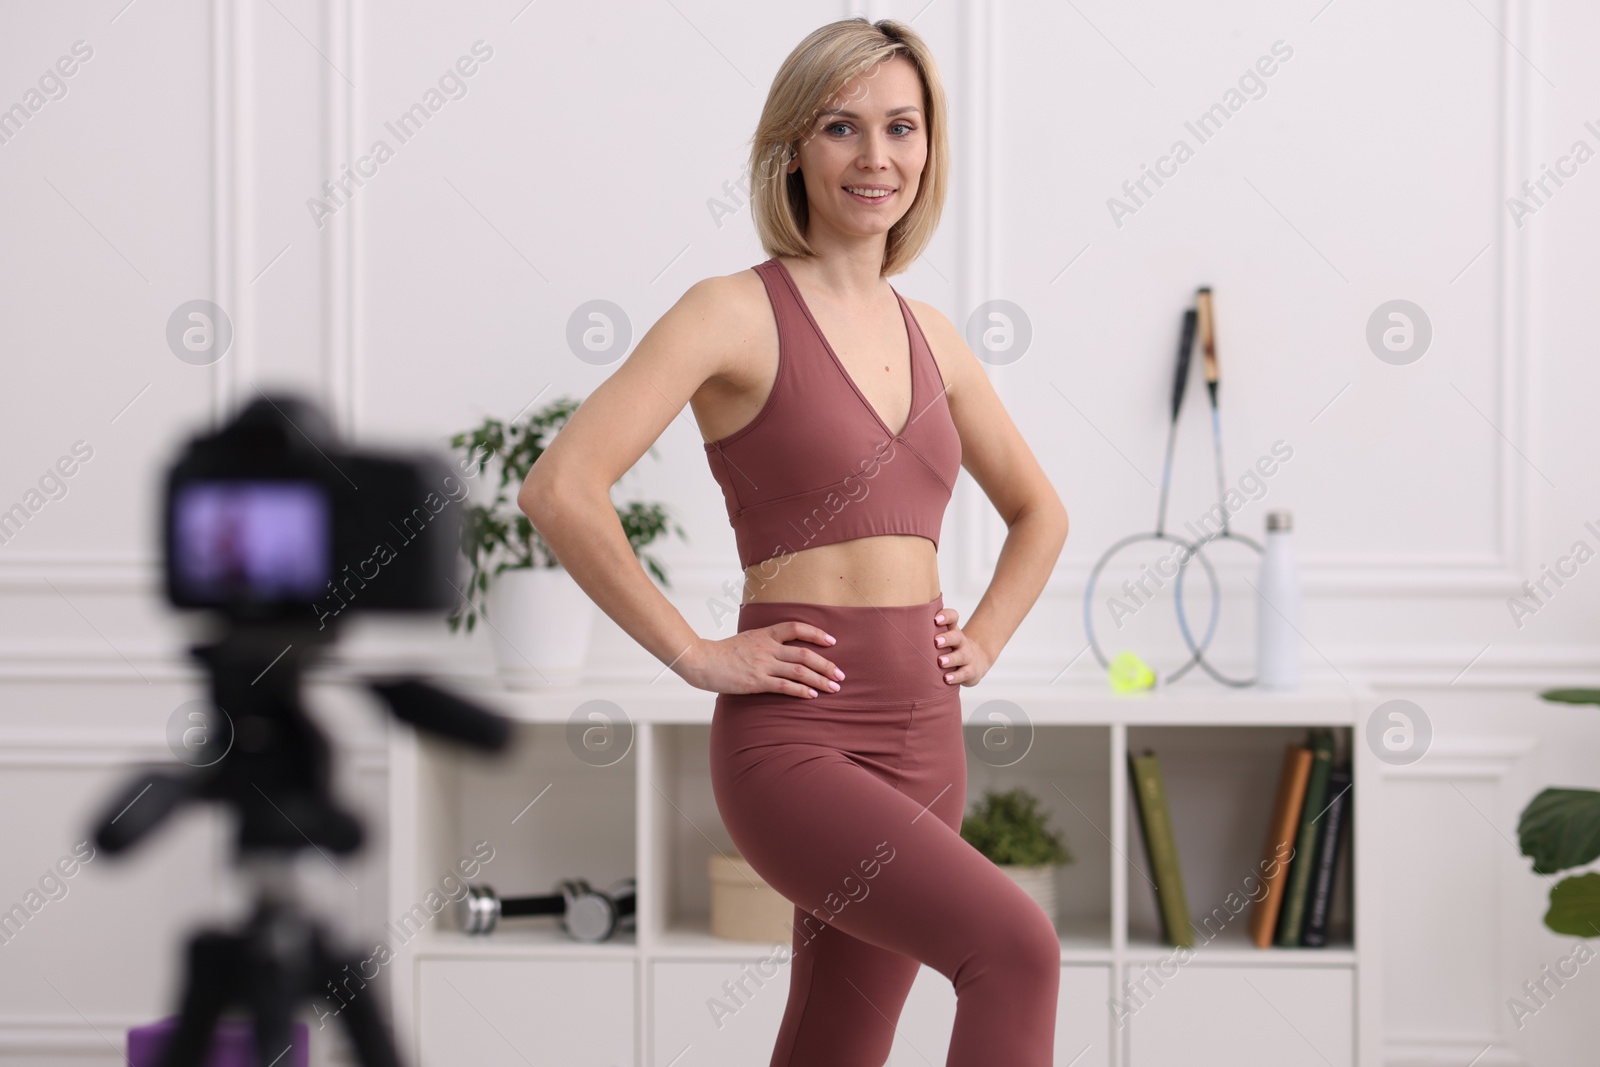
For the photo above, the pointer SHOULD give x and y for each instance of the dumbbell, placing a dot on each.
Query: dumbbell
(586, 914)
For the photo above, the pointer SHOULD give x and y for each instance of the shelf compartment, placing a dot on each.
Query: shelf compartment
(545, 813)
(685, 832)
(1068, 769)
(1220, 784)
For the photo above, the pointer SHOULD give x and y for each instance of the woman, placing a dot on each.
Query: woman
(837, 758)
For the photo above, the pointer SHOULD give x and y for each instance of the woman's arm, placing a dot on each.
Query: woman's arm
(999, 460)
(567, 496)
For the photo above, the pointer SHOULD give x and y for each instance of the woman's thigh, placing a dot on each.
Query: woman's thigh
(872, 846)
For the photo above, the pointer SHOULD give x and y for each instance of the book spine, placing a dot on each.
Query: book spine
(1162, 847)
(1281, 830)
(1292, 920)
(1334, 822)
(1144, 835)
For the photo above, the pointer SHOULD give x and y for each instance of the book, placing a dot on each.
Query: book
(1292, 919)
(1155, 824)
(1281, 831)
(1334, 828)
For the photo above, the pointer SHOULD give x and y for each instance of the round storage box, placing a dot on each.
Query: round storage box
(744, 907)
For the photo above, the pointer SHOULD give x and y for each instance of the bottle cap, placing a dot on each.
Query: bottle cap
(1279, 520)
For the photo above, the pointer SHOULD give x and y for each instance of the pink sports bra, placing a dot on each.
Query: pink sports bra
(817, 464)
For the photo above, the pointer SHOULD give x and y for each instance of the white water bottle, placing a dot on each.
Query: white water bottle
(1278, 609)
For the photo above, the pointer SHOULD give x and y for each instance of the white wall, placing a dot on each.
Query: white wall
(579, 165)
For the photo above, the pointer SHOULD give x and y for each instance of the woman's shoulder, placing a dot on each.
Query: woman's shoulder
(727, 320)
(735, 302)
(738, 286)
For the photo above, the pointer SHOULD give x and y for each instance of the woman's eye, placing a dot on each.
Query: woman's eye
(905, 126)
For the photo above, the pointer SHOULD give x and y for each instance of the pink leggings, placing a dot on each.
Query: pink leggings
(850, 805)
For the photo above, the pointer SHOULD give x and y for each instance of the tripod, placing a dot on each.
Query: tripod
(275, 776)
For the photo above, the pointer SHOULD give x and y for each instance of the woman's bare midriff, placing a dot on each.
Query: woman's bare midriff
(877, 571)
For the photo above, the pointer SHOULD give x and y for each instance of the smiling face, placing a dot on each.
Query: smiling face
(863, 157)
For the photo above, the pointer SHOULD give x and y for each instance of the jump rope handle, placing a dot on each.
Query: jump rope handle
(1208, 339)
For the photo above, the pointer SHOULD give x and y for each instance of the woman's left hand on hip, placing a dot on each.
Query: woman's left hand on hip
(963, 660)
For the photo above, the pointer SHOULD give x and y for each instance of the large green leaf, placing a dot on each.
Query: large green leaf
(1575, 906)
(1572, 696)
(1560, 828)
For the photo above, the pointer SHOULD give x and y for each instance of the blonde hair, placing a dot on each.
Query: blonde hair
(807, 82)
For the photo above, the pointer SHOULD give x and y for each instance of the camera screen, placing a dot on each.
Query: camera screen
(251, 541)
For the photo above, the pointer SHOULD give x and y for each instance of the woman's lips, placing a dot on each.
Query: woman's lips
(858, 198)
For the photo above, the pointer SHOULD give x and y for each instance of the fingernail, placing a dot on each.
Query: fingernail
(813, 692)
(834, 686)
(837, 673)
(944, 661)
(939, 640)
(938, 618)
(831, 638)
(948, 677)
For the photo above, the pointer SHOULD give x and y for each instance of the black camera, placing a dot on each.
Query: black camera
(269, 520)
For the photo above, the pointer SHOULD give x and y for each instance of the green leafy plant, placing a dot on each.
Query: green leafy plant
(1008, 828)
(1560, 830)
(498, 537)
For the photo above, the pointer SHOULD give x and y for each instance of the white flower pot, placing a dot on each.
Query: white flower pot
(1039, 882)
(539, 620)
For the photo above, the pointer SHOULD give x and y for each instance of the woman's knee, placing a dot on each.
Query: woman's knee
(1027, 941)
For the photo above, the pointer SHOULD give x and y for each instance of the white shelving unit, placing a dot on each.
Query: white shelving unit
(528, 994)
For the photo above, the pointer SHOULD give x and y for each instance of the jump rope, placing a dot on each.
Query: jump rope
(1129, 668)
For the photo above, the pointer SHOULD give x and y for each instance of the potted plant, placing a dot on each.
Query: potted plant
(1009, 829)
(1560, 830)
(538, 614)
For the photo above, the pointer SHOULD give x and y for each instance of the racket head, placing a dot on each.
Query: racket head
(1216, 604)
(1187, 551)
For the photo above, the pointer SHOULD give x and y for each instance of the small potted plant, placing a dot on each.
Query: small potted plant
(1009, 829)
(538, 614)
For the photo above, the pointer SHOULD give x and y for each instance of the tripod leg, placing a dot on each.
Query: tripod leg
(215, 961)
(369, 1033)
(273, 1004)
(373, 1043)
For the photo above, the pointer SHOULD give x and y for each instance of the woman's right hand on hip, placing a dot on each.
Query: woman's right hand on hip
(758, 661)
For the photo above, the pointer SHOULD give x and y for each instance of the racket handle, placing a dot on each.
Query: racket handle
(1208, 339)
(1185, 350)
